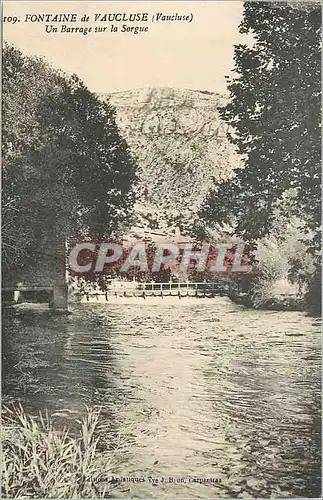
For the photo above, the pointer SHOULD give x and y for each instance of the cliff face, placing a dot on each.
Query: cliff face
(180, 144)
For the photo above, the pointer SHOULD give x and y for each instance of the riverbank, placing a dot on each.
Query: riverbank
(280, 303)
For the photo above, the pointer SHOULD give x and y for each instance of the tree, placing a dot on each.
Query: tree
(66, 169)
(274, 115)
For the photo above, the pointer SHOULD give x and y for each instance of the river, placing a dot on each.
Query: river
(196, 387)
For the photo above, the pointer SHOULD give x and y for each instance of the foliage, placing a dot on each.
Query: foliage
(66, 170)
(274, 115)
(281, 256)
(274, 111)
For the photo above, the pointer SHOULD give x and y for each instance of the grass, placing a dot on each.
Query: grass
(41, 462)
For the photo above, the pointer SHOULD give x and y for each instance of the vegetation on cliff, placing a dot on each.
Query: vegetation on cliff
(181, 147)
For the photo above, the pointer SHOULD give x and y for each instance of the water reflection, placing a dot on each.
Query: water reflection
(201, 387)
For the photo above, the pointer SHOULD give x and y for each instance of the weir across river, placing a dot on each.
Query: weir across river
(154, 289)
(58, 297)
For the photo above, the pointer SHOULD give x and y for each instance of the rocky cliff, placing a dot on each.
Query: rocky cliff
(181, 147)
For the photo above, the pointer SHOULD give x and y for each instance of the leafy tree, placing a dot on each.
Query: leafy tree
(66, 170)
(274, 114)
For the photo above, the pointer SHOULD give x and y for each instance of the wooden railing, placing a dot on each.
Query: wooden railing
(153, 289)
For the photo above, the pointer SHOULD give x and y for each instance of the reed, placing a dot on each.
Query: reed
(39, 461)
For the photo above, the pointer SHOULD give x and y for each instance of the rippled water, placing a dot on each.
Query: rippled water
(199, 388)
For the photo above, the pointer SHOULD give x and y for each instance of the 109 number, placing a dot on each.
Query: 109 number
(11, 19)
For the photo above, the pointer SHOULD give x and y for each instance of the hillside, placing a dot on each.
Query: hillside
(180, 144)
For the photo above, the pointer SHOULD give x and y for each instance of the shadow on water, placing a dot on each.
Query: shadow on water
(59, 364)
(201, 388)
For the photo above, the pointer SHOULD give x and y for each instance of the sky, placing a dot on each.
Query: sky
(194, 55)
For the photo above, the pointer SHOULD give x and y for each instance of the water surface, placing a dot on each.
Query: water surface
(194, 387)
